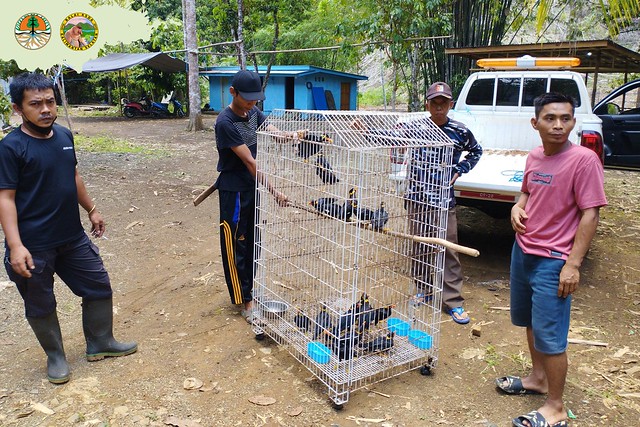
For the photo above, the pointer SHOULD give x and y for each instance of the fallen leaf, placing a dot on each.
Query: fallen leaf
(192, 384)
(618, 354)
(295, 411)
(262, 400)
(41, 408)
(24, 413)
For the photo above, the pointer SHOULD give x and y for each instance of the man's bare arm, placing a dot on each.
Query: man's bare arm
(20, 257)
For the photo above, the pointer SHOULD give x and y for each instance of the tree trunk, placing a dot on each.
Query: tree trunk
(191, 45)
(242, 53)
(63, 95)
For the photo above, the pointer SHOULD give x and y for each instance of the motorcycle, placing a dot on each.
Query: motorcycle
(133, 109)
(148, 108)
(173, 108)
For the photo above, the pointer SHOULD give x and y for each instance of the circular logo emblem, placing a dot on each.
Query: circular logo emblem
(32, 31)
(79, 31)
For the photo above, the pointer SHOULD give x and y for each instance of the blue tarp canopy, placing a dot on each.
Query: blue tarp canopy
(119, 61)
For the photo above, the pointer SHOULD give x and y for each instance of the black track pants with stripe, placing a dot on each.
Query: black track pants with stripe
(237, 225)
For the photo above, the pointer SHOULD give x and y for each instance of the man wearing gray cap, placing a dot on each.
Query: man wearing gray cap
(236, 141)
(439, 102)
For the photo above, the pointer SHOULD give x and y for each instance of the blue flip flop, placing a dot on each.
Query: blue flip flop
(459, 311)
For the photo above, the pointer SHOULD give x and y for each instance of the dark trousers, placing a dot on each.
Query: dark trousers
(424, 257)
(77, 263)
(237, 239)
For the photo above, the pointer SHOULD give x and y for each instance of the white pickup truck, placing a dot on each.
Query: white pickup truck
(497, 107)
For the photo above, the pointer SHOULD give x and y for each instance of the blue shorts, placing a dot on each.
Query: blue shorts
(535, 302)
(79, 266)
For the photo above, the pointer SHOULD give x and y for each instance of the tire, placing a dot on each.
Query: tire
(129, 112)
(180, 112)
(156, 113)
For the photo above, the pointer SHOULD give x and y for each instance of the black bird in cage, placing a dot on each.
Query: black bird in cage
(345, 323)
(375, 316)
(344, 346)
(325, 171)
(363, 311)
(381, 343)
(323, 323)
(302, 321)
(379, 218)
(382, 313)
(361, 213)
(329, 206)
(311, 144)
(351, 205)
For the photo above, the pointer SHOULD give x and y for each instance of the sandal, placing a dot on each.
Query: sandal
(536, 419)
(513, 385)
(247, 315)
(459, 311)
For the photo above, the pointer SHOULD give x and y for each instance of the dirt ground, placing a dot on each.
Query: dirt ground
(199, 363)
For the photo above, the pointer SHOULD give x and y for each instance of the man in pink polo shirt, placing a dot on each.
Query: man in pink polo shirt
(555, 220)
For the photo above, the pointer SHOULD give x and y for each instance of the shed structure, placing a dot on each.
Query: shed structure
(293, 87)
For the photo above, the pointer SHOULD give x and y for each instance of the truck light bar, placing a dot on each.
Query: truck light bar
(527, 61)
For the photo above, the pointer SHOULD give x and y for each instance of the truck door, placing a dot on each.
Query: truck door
(620, 116)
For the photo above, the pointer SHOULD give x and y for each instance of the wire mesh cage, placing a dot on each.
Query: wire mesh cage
(340, 279)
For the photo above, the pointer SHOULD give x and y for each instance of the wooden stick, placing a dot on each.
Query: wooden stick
(434, 241)
(586, 342)
(429, 240)
(206, 193)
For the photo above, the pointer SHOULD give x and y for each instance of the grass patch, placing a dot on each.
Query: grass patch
(491, 357)
(106, 144)
(113, 111)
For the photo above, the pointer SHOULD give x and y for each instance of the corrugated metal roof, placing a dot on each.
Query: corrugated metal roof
(280, 70)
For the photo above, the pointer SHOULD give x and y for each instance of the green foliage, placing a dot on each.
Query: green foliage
(161, 9)
(375, 98)
(167, 35)
(9, 69)
(617, 14)
(5, 108)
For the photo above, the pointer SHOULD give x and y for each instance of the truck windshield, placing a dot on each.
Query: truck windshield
(482, 91)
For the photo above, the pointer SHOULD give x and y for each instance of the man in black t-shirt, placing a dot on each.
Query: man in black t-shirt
(40, 189)
(236, 141)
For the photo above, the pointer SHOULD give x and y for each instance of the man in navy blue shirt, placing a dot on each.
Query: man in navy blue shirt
(40, 189)
(439, 102)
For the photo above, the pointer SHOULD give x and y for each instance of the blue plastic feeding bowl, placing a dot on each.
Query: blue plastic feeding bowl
(397, 326)
(420, 339)
(318, 352)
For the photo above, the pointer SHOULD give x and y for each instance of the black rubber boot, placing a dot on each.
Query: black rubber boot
(97, 323)
(47, 330)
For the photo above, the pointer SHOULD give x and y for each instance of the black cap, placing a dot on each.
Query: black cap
(248, 85)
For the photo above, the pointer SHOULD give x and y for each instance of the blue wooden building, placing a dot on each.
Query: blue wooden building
(300, 87)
